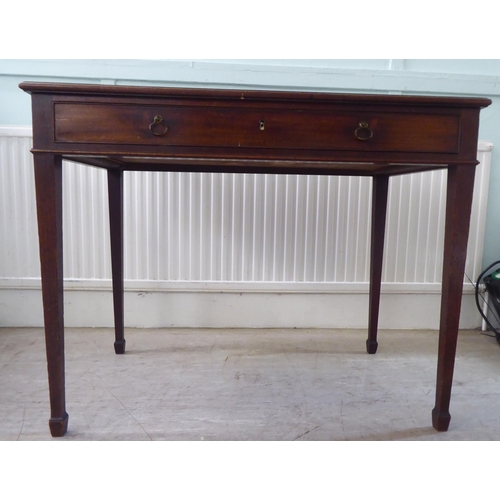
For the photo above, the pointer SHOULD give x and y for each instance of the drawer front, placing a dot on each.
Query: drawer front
(253, 127)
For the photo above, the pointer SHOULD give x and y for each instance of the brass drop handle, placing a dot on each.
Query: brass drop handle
(160, 127)
(363, 132)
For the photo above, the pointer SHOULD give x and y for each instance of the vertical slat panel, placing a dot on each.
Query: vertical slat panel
(478, 216)
(341, 254)
(289, 228)
(18, 227)
(234, 227)
(85, 223)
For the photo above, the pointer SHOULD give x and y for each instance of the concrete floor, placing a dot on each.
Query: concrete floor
(279, 385)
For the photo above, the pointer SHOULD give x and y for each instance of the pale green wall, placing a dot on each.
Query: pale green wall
(399, 76)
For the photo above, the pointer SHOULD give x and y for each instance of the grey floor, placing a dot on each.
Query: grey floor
(260, 385)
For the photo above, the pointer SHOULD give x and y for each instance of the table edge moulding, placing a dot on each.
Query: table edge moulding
(123, 128)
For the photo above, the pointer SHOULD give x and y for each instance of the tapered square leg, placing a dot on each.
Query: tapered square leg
(379, 210)
(115, 198)
(48, 186)
(458, 209)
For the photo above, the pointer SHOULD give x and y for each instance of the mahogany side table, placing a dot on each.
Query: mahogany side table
(121, 128)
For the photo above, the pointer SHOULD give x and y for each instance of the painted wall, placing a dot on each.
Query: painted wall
(401, 76)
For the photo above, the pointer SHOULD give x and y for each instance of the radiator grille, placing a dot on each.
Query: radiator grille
(234, 227)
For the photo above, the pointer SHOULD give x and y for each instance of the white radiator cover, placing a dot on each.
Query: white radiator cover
(234, 250)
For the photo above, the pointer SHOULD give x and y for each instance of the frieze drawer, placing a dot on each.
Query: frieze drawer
(254, 127)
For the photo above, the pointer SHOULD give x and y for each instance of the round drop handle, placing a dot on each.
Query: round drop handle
(363, 132)
(158, 127)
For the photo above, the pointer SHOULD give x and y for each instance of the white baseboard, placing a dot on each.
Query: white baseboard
(234, 306)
